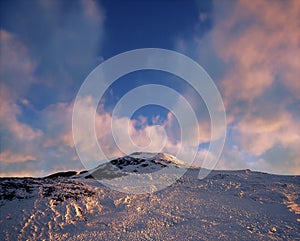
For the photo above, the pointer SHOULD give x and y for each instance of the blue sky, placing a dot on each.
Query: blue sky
(251, 51)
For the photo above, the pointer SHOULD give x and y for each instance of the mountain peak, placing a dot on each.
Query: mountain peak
(136, 162)
(157, 155)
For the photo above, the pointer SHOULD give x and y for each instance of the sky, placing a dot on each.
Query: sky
(251, 50)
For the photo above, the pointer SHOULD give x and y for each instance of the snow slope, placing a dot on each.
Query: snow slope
(227, 205)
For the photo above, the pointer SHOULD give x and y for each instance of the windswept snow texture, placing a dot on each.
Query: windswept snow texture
(227, 205)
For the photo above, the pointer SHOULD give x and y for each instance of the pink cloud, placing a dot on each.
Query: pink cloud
(16, 73)
(91, 10)
(152, 138)
(10, 157)
(58, 121)
(261, 40)
(16, 64)
(234, 159)
(254, 49)
(9, 122)
(20, 57)
(257, 134)
(24, 173)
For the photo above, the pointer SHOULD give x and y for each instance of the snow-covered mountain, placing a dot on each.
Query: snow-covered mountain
(137, 162)
(227, 205)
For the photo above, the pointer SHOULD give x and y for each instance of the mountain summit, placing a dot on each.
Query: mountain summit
(137, 162)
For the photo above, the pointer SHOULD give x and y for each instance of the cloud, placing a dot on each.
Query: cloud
(250, 47)
(57, 119)
(129, 134)
(255, 136)
(252, 52)
(44, 58)
(8, 156)
(21, 169)
(235, 158)
(261, 41)
(258, 134)
(59, 44)
(16, 66)
(9, 122)
(16, 73)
